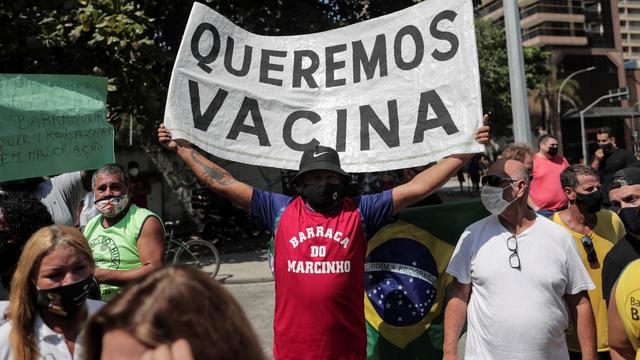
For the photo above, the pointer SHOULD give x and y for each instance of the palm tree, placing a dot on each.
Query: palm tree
(542, 99)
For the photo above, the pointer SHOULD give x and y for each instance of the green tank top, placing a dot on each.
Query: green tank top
(116, 247)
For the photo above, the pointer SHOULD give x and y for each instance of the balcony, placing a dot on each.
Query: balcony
(554, 37)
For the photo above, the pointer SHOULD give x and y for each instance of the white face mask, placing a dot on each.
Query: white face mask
(492, 200)
(134, 172)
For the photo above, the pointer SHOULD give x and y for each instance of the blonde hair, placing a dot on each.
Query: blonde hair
(23, 297)
(516, 151)
(177, 302)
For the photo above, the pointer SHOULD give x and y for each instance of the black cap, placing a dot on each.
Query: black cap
(320, 158)
(625, 177)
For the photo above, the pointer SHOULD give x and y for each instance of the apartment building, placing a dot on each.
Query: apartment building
(580, 34)
(629, 12)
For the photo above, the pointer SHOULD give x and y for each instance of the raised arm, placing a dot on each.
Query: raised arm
(215, 177)
(455, 315)
(582, 316)
(151, 247)
(597, 158)
(431, 179)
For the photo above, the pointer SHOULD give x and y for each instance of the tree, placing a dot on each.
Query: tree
(132, 42)
(494, 73)
(543, 99)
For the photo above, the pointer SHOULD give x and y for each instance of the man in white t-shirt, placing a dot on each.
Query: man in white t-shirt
(61, 195)
(518, 280)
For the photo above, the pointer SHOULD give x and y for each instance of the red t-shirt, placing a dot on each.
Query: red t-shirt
(319, 274)
(546, 191)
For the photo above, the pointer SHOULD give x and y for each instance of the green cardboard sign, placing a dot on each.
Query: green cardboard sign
(52, 124)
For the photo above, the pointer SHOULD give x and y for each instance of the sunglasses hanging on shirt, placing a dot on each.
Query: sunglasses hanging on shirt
(592, 257)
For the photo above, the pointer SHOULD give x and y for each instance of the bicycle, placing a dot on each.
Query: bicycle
(196, 252)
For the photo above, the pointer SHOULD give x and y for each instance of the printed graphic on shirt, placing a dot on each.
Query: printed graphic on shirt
(323, 238)
(319, 232)
(105, 250)
(632, 306)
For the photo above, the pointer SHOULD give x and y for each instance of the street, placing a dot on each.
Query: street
(257, 300)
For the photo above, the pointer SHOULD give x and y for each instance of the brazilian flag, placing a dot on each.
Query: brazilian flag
(405, 279)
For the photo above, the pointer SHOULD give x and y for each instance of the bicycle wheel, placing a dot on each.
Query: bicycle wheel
(201, 254)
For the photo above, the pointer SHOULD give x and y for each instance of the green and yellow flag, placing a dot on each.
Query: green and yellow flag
(405, 279)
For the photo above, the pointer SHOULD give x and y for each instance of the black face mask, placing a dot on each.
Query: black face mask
(66, 300)
(553, 151)
(606, 148)
(591, 203)
(631, 219)
(322, 196)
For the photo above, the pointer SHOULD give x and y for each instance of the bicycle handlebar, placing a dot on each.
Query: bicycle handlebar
(172, 223)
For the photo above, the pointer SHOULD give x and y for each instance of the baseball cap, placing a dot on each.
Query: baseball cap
(320, 158)
(625, 177)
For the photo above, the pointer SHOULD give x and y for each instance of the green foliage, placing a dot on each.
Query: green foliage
(494, 73)
(132, 42)
(104, 38)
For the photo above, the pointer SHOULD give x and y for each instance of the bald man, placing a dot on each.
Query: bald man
(518, 279)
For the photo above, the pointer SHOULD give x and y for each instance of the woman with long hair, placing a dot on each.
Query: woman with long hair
(168, 305)
(48, 304)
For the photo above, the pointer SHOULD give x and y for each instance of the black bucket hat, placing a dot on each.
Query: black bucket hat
(320, 158)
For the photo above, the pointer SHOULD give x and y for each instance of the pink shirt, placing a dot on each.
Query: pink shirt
(546, 191)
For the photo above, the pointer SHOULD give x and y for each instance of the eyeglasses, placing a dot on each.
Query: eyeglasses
(514, 259)
(592, 257)
(496, 181)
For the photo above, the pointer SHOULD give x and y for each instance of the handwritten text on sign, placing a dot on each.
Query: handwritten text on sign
(397, 91)
(52, 124)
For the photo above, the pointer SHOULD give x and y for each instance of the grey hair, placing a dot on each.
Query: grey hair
(569, 176)
(112, 169)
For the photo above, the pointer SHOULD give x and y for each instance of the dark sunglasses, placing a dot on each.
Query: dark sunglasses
(587, 243)
(514, 259)
(495, 180)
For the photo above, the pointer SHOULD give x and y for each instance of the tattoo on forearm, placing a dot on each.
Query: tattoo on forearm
(212, 175)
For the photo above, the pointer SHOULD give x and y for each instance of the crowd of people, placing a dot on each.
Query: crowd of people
(552, 273)
(549, 277)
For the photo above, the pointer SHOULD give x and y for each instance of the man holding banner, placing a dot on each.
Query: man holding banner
(394, 92)
(319, 244)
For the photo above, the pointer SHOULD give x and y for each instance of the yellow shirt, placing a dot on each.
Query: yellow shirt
(608, 230)
(628, 303)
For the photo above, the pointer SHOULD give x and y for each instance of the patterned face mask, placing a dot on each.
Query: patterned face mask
(112, 207)
(66, 300)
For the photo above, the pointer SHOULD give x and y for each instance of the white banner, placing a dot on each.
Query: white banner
(397, 91)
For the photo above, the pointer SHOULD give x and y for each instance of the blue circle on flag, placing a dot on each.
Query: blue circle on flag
(400, 281)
